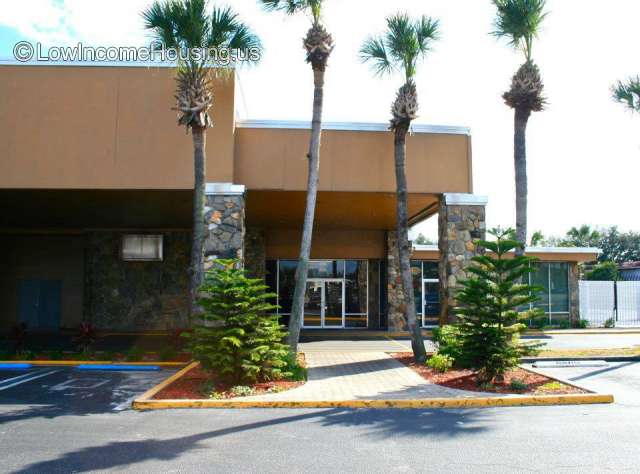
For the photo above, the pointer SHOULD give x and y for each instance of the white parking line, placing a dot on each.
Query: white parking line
(28, 374)
(19, 382)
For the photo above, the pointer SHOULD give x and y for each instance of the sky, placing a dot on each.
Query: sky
(583, 150)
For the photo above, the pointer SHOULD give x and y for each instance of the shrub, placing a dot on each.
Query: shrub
(517, 384)
(552, 386)
(490, 320)
(135, 354)
(610, 323)
(583, 324)
(440, 362)
(167, 353)
(19, 334)
(56, 355)
(238, 337)
(241, 391)
(298, 373)
(85, 337)
(605, 271)
(565, 324)
(449, 341)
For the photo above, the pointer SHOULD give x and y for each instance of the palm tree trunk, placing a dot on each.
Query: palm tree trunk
(520, 164)
(404, 252)
(297, 308)
(198, 234)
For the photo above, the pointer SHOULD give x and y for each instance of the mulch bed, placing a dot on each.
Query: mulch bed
(198, 384)
(191, 386)
(465, 379)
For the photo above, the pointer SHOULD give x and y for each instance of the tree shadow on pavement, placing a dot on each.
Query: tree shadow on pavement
(382, 423)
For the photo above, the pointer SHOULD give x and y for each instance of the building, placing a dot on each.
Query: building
(95, 207)
(629, 271)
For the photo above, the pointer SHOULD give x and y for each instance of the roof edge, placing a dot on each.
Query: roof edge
(351, 126)
(529, 250)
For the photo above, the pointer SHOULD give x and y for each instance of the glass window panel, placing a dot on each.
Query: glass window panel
(559, 291)
(430, 270)
(356, 286)
(431, 303)
(540, 277)
(142, 247)
(287, 284)
(271, 277)
(313, 304)
(326, 269)
(416, 273)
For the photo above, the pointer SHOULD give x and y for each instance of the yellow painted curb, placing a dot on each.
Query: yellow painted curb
(90, 362)
(146, 396)
(476, 402)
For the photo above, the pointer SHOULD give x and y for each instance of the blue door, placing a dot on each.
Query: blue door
(39, 303)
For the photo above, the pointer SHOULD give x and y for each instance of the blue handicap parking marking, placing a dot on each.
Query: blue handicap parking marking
(67, 390)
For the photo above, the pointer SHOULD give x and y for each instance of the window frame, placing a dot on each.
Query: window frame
(159, 244)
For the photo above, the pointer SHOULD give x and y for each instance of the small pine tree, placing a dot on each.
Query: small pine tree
(239, 339)
(490, 314)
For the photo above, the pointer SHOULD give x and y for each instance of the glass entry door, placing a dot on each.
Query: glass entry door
(323, 303)
(430, 303)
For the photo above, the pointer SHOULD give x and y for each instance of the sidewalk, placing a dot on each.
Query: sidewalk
(370, 375)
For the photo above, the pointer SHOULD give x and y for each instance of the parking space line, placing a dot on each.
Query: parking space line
(18, 377)
(34, 377)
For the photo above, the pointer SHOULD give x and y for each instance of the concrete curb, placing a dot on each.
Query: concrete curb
(476, 402)
(531, 360)
(554, 377)
(148, 395)
(68, 363)
(582, 332)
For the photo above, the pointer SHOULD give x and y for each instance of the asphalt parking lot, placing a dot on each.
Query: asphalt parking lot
(69, 390)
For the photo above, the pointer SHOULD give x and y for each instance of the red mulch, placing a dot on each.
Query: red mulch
(190, 386)
(465, 379)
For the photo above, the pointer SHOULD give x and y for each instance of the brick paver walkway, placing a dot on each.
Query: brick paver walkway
(361, 375)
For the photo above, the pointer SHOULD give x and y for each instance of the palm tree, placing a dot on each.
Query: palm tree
(628, 93)
(186, 25)
(519, 21)
(398, 49)
(319, 44)
(583, 236)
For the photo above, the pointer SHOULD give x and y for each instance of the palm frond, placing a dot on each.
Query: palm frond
(224, 23)
(402, 42)
(291, 7)
(186, 24)
(519, 21)
(374, 50)
(160, 19)
(628, 93)
(244, 38)
(427, 31)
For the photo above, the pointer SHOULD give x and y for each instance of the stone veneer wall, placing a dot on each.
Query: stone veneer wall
(396, 320)
(574, 293)
(136, 296)
(224, 215)
(458, 227)
(255, 253)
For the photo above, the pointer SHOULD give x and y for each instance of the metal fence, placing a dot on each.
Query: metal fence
(608, 303)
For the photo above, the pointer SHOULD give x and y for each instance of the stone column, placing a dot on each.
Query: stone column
(224, 214)
(396, 320)
(461, 220)
(255, 253)
(574, 293)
